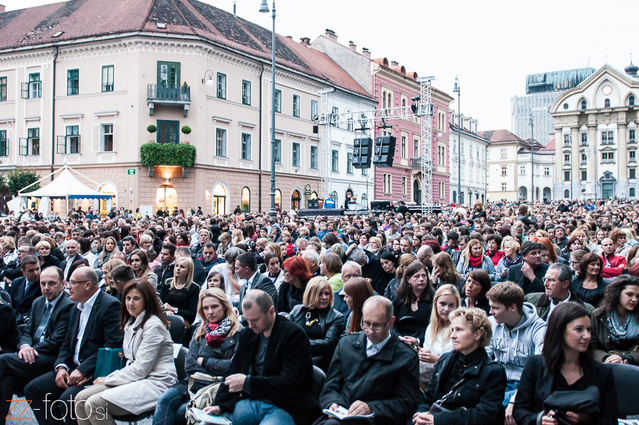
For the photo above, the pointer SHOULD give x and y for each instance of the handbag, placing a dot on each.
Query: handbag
(586, 401)
(437, 407)
(202, 389)
(109, 360)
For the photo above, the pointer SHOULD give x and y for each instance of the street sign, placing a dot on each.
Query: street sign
(131, 171)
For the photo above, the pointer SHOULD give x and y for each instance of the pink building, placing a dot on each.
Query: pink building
(394, 87)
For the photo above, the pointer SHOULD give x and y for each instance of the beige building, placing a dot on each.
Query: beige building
(596, 136)
(82, 89)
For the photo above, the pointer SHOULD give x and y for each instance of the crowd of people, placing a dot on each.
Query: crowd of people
(485, 315)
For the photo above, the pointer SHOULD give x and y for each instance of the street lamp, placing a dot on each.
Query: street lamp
(457, 90)
(532, 162)
(264, 9)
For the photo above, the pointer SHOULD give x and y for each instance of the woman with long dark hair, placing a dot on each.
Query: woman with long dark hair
(356, 290)
(589, 284)
(566, 364)
(475, 288)
(414, 299)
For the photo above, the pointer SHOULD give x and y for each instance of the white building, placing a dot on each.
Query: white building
(473, 161)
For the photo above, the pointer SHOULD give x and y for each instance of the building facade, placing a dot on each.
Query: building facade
(541, 91)
(87, 101)
(595, 131)
(473, 166)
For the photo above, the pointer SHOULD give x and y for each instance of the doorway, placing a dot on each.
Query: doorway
(166, 197)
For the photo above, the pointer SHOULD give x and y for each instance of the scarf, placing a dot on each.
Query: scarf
(216, 332)
(508, 262)
(475, 262)
(622, 332)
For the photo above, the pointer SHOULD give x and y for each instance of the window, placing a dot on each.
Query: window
(246, 199)
(632, 156)
(416, 148)
(296, 105)
(73, 82)
(607, 103)
(4, 145)
(632, 173)
(584, 159)
(221, 85)
(246, 146)
(584, 139)
(632, 192)
(403, 146)
(387, 183)
(33, 88)
(632, 136)
(631, 100)
(503, 154)
(350, 124)
(3, 89)
(335, 161)
(220, 142)
(246, 92)
(567, 159)
(168, 132)
(31, 145)
(607, 137)
(566, 139)
(566, 193)
(546, 171)
(442, 190)
(566, 176)
(108, 77)
(314, 157)
(404, 189)
(349, 163)
(296, 154)
(584, 175)
(333, 120)
(522, 170)
(503, 171)
(278, 151)
(314, 109)
(69, 144)
(278, 101)
(503, 186)
(168, 74)
(607, 157)
(583, 105)
(106, 136)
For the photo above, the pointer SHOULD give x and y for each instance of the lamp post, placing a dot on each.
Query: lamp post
(457, 90)
(264, 9)
(532, 162)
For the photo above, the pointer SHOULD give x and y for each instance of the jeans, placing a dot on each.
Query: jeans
(511, 389)
(256, 412)
(171, 407)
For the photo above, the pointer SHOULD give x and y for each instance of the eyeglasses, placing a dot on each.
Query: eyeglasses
(75, 282)
(376, 329)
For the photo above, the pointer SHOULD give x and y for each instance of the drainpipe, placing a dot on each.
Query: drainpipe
(259, 177)
(53, 113)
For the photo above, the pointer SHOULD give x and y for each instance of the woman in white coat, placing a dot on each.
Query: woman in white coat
(149, 370)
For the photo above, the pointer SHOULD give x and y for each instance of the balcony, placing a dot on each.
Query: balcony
(170, 96)
(416, 162)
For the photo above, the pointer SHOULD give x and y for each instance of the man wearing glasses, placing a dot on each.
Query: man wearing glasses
(94, 324)
(375, 366)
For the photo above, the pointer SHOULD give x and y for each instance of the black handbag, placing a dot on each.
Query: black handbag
(437, 407)
(586, 401)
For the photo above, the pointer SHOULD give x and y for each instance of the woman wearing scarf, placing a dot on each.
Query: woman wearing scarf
(210, 352)
(474, 258)
(615, 325)
(510, 258)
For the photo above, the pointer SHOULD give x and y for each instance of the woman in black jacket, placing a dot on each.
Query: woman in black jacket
(475, 289)
(566, 364)
(589, 284)
(210, 352)
(322, 323)
(413, 302)
(466, 382)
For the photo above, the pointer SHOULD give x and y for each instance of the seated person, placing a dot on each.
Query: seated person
(529, 274)
(373, 372)
(25, 289)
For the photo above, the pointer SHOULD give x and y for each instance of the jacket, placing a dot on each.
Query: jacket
(528, 220)
(481, 394)
(149, 370)
(56, 328)
(217, 360)
(617, 264)
(264, 283)
(9, 333)
(536, 385)
(21, 301)
(542, 303)
(287, 380)
(537, 285)
(102, 330)
(387, 381)
(513, 348)
(289, 296)
(486, 264)
(603, 347)
(332, 323)
(63, 265)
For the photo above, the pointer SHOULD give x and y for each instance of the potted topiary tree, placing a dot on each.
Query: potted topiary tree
(186, 130)
(151, 129)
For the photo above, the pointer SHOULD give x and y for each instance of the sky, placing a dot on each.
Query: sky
(492, 45)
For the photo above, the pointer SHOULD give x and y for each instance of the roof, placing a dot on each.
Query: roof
(557, 80)
(86, 19)
(537, 146)
(551, 145)
(501, 137)
(66, 185)
(454, 128)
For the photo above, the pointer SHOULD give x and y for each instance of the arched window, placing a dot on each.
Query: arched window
(246, 199)
(583, 105)
(632, 192)
(296, 198)
(631, 100)
(566, 193)
(607, 103)
(278, 200)
(219, 200)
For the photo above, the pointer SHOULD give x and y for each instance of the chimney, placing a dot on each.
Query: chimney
(305, 41)
(352, 45)
(394, 63)
(2, 8)
(330, 34)
(235, 9)
(366, 52)
(290, 37)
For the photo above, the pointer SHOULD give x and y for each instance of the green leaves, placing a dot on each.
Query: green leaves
(151, 129)
(181, 155)
(20, 178)
(186, 129)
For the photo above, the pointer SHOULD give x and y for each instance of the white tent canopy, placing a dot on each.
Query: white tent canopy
(66, 185)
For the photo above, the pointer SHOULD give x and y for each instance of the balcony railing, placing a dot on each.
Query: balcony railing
(161, 95)
(416, 162)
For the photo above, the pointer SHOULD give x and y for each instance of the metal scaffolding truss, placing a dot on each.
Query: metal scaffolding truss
(421, 108)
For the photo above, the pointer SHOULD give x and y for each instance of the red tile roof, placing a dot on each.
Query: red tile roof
(82, 19)
(551, 145)
(501, 137)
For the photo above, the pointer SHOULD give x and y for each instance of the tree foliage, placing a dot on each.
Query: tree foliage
(21, 178)
(181, 155)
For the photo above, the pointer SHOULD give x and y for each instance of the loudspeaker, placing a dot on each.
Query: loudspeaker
(313, 204)
(362, 152)
(384, 151)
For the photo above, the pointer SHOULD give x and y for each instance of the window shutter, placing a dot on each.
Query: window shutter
(95, 140)
(23, 146)
(61, 147)
(24, 92)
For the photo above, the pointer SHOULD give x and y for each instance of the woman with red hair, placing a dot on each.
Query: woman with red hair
(552, 255)
(296, 276)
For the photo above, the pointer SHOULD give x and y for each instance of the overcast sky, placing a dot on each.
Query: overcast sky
(492, 45)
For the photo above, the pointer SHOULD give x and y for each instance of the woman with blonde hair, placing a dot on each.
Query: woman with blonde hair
(43, 249)
(474, 257)
(444, 271)
(107, 282)
(225, 243)
(109, 248)
(237, 237)
(374, 245)
(180, 293)
(9, 252)
(274, 248)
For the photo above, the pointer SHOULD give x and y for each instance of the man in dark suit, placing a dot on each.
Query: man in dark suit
(529, 274)
(271, 375)
(94, 324)
(12, 271)
(167, 264)
(374, 366)
(25, 289)
(72, 249)
(40, 340)
(246, 269)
